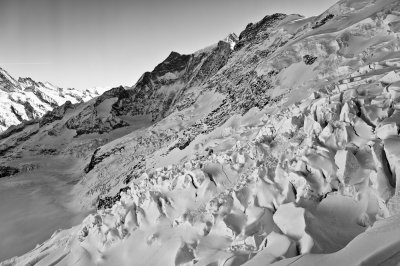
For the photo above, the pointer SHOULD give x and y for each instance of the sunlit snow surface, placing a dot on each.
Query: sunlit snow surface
(312, 179)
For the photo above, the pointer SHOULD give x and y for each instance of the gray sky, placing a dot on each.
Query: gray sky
(86, 43)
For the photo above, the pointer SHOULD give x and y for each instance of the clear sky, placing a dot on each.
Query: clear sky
(86, 43)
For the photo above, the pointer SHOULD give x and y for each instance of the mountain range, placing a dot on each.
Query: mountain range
(279, 147)
(25, 99)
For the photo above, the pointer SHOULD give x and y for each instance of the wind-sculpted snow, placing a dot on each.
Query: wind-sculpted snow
(285, 151)
(225, 208)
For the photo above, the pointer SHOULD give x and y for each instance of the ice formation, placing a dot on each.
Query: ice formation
(290, 155)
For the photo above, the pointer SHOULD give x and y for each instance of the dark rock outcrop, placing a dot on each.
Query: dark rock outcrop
(174, 62)
(7, 83)
(16, 113)
(157, 93)
(12, 130)
(29, 110)
(8, 171)
(107, 202)
(309, 59)
(87, 122)
(212, 63)
(48, 151)
(255, 33)
(55, 114)
(96, 159)
(323, 21)
(119, 92)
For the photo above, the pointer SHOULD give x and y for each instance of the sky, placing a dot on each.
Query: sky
(105, 43)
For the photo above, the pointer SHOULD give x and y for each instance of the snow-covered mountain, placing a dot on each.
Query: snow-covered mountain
(25, 99)
(283, 151)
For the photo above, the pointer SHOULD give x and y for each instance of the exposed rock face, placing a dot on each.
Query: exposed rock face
(323, 21)
(7, 171)
(158, 92)
(108, 202)
(256, 33)
(119, 92)
(309, 60)
(7, 83)
(88, 121)
(12, 130)
(56, 114)
(174, 63)
(96, 159)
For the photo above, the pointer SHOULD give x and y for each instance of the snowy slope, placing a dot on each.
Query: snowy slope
(284, 151)
(26, 99)
(57, 150)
